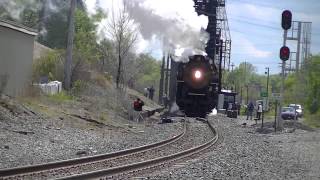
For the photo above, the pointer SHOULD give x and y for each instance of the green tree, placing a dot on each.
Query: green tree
(147, 72)
(313, 84)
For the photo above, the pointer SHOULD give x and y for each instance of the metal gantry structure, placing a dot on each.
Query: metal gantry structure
(218, 46)
(218, 29)
(300, 34)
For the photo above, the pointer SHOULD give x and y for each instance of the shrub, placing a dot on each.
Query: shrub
(102, 81)
(313, 120)
(78, 86)
(50, 66)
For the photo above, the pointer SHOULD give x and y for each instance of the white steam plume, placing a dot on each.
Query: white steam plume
(174, 33)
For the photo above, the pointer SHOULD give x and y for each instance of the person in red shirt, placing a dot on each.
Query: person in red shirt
(137, 104)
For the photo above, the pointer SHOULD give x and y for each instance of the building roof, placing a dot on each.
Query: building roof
(40, 50)
(17, 27)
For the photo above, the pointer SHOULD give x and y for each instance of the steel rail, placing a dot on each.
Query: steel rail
(148, 163)
(78, 161)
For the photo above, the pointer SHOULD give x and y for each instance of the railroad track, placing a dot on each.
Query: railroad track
(108, 165)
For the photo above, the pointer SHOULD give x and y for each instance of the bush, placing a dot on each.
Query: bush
(78, 86)
(313, 120)
(50, 66)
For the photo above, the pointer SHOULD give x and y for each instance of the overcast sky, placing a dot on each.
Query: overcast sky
(254, 24)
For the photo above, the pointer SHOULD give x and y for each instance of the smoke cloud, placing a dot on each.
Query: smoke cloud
(14, 9)
(174, 33)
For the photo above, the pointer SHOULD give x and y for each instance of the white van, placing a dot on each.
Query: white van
(298, 109)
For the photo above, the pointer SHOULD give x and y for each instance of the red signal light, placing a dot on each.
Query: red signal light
(286, 20)
(284, 53)
(287, 13)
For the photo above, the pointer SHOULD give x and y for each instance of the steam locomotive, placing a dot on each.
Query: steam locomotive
(197, 86)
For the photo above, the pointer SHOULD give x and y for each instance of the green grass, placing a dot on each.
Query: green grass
(60, 97)
(312, 120)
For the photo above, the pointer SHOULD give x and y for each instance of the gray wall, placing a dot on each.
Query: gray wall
(16, 54)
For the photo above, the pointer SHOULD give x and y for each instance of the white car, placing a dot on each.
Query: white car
(298, 109)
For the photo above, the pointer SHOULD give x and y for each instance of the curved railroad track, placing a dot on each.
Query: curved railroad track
(117, 163)
(35, 170)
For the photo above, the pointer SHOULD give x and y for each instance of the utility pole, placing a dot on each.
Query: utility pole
(161, 79)
(232, 65)
(173, 82)
(247, 93)
(68, 63)
(241, 94)
(245, 81)
(268, 73)
(233, 84)
(220, 67)
(167, 76)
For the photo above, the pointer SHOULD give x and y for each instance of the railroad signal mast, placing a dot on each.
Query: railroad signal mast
(301, 33)
(286, 22)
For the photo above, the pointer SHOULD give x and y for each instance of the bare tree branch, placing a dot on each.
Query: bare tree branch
(124, 34)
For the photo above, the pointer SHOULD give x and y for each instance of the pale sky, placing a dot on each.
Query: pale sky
(255, 26)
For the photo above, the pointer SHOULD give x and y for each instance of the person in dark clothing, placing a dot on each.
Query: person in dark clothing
(250, 109)
(238, 105)
(151, 92)
(137, 104)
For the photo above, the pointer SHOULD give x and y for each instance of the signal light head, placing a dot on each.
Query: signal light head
(284, 53)
(286, 20)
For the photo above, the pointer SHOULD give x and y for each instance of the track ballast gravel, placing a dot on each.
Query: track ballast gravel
(33, 139)
(246, 154)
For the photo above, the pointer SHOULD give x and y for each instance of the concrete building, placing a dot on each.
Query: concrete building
(16, 56)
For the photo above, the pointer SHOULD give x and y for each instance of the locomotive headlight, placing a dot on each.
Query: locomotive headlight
(197, 74)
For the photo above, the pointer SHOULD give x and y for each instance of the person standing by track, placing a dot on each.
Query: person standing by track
(259, 111)
(250, 108)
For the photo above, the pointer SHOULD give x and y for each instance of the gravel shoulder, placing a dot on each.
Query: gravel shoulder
(246, 154)
(27, 138)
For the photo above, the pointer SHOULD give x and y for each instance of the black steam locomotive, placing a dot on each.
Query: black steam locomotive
(197, 86)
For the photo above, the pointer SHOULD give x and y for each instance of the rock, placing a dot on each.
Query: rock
(290, 130)
(81, 152)
(6, 147)
(61, 118)
(24, 132)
